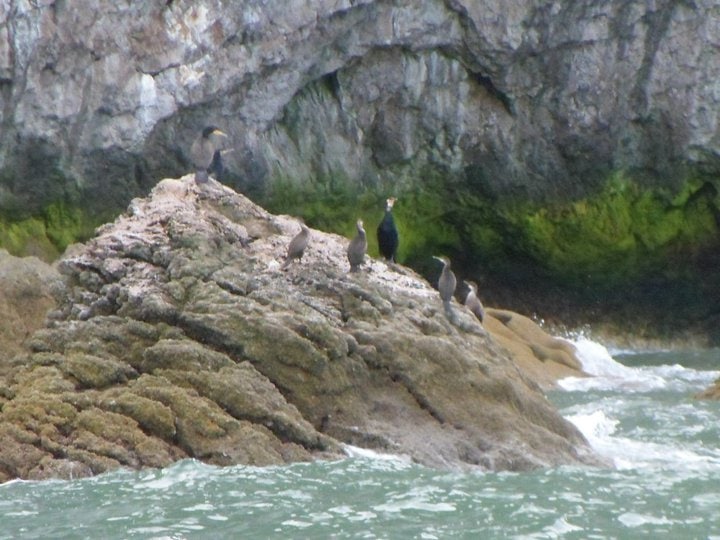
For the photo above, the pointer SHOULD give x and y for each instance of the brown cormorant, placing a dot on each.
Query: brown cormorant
(473, 302)
(387, 233)
(447, 281)
(203, 150)
(357, 248)
(297, 246)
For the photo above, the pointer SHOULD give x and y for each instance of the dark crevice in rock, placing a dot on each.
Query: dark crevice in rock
(487, 83)
(419, 398)
(657, 22)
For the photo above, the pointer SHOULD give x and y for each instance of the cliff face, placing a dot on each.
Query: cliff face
(178, 335)
(495, 101)
(533, 97)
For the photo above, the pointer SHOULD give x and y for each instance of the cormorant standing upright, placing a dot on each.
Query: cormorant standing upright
(202, 152)
(297, 245)
(446, 282)
(473, 302)
(387, 233)
(357, 248)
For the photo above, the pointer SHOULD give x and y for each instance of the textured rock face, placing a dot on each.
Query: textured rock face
(523, 98)
(27, 288)
(178, 335)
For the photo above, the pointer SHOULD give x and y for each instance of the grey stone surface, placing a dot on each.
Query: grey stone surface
(530, 98)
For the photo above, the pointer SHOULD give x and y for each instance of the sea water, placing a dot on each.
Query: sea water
(637, 411)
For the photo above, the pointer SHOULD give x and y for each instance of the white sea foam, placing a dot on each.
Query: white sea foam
(607, 373)
(366, 453)
(632, 519)
(600, 431)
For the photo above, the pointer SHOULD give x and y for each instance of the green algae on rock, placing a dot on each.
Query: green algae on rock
(623, 233)
(47, 234)
(615, 236)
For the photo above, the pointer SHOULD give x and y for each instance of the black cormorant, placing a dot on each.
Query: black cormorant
(387, 233)
(203, 152)
(297, 245)
(357, 248)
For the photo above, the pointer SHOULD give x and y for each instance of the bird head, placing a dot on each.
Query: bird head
(471, 285)
(443, 260)
(213, 130)
(359, 225)
(389, 203)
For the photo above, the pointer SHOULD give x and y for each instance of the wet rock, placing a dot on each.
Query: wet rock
(712, 392)
(203, 347)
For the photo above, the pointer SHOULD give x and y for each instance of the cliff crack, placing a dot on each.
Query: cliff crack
(487, 83)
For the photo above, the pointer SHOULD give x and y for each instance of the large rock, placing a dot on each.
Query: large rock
(524, 97)
(179, 336)
(27, 292)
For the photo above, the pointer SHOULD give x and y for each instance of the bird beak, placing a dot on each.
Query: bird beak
(221, 133)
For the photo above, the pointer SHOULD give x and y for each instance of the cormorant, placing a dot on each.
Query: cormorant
(357, 248)
(387, 233)
(447, 281)
(473, 302)
(297, 246)
(203, 150)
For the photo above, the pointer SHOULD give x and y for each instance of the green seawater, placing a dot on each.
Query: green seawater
(638, 412)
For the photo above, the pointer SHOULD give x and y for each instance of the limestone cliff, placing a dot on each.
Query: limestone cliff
(178, 335)
(532, 95)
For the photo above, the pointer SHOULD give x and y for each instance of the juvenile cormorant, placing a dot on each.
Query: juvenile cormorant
(202, 152)
(297, 246)
(473, 302)
(357, 248)
(387, 233)
(447, 281)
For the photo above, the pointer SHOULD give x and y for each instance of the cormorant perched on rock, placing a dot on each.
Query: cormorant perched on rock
(297, 246)
(447, 281)
(473, 302)
(202, 152)
(387, 233)
(357, 248)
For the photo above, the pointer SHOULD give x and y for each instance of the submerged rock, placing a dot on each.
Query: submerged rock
(178, 335)
(712, 392)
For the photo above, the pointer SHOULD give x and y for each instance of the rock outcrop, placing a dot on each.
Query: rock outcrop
(178, 335)
(28, 288)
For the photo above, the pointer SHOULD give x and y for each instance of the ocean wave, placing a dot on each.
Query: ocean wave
(607, 374)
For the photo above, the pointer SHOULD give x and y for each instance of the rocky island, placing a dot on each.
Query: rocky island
(176, 334)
